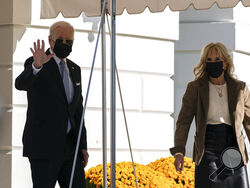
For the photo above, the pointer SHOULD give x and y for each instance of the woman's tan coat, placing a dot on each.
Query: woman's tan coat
(195, 104)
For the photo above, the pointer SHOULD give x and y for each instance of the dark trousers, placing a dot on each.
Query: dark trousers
(45, 173)
(218, 138)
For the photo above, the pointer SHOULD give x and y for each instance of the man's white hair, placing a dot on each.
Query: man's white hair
(59, 24)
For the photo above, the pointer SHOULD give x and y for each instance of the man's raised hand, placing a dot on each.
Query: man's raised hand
(39, 55)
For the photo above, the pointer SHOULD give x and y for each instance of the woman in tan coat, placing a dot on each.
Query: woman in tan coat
(220, 105)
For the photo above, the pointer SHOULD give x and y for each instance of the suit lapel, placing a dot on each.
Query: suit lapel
(72, 76)
(204, 95)
(232, 96)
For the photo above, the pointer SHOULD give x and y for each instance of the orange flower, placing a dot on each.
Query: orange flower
(160, 173)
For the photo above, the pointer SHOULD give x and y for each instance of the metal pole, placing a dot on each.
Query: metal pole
(113, 96)
(124, 115)
(86, 100)
(104, 104)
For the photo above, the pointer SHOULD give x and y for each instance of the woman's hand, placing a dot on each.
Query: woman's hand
(178, 163)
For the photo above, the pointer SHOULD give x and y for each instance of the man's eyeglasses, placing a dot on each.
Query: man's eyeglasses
(60, 41)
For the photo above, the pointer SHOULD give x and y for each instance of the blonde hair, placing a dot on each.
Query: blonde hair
(59, 24)
(200, 69)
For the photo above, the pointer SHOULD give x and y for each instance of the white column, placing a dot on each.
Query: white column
(13, 13)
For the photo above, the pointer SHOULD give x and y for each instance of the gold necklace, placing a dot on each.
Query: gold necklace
(219, 90)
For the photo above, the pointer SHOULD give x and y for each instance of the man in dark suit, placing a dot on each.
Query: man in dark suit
(53, 85)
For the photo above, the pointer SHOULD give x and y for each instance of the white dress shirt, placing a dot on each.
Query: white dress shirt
(218, 109)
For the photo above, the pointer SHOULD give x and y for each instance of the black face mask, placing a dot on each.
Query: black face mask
(214, 69)
(62, 50)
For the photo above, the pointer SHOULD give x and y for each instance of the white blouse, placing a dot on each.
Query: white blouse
(218, 110)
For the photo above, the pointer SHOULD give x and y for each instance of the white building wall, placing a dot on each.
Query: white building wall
(9, 34)
(198, 28)
(145, 60)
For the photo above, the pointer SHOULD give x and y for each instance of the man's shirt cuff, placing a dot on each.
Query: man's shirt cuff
(35, 70)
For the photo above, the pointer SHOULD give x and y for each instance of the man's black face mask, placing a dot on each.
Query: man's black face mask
(62, 50)
(214, 69)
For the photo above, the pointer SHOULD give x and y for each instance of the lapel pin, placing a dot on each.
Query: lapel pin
(73, 68)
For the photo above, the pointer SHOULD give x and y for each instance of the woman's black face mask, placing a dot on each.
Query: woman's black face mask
(214, 69)
(62, 50)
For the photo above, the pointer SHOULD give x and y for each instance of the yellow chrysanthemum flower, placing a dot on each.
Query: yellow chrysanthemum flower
(158, 174)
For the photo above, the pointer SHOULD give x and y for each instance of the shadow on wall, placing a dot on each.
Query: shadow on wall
(18, 34)
(20, 19)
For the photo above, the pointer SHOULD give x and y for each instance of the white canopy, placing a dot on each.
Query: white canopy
(73, 8)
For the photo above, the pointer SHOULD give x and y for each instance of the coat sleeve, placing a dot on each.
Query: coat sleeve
(184, 120)
(246, 121)
(25, 81)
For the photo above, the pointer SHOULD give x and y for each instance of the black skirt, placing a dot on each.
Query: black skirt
(219, 138)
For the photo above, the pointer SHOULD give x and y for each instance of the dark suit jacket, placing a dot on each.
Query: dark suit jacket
(195, 104)
(48, 110)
